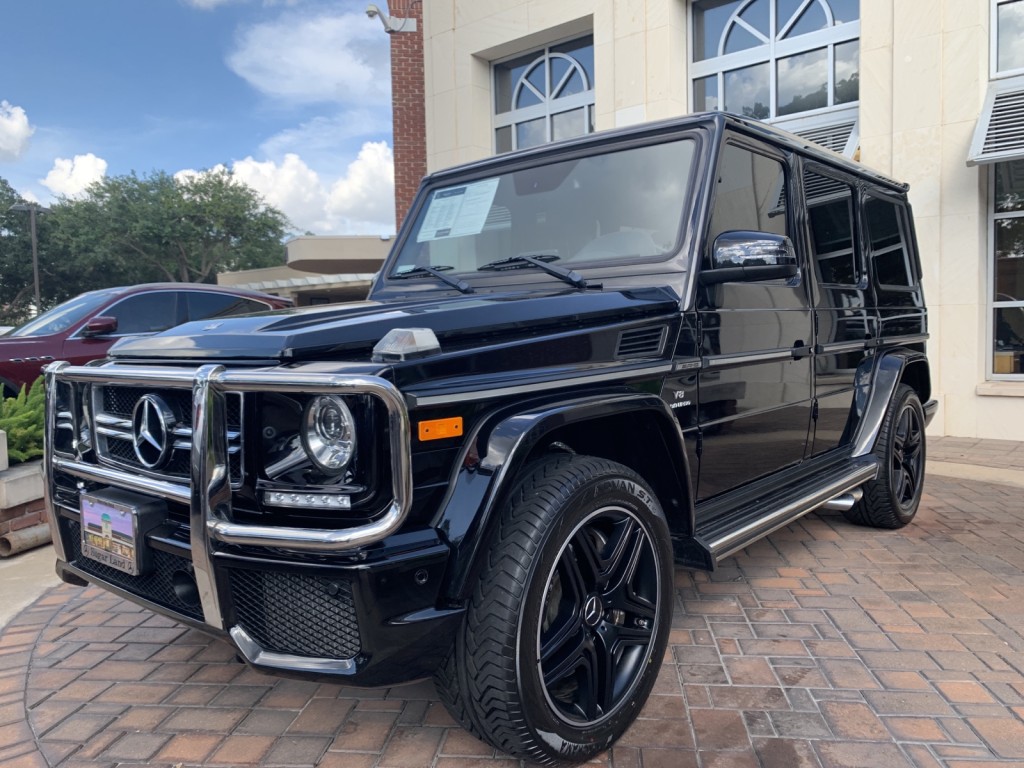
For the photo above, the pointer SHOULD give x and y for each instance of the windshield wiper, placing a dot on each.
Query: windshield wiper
(460, 285)
(540, 260)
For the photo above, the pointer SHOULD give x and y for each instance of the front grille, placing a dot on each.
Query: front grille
(155, 586)
(296, 613)
(113, 410)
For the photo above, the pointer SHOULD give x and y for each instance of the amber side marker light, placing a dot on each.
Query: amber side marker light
(438, 429)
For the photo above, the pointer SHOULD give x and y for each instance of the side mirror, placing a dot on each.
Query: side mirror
(747, 257)
(101, 325)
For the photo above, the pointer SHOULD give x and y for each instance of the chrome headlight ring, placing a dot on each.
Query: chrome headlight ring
(329, 433)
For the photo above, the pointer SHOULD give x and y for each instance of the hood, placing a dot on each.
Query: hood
(349, 331)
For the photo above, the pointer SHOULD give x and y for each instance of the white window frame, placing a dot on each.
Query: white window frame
(770, 53)
(991, 304)
(993, 47)
(550, 106)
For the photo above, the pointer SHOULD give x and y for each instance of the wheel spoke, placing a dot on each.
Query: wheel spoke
(901, 484)
(618, 566)
(562, 660)
(584, 549)
(604, 673)
(573, 578)
(618, 637)
(624, 595)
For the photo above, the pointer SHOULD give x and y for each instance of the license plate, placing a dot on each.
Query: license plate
(110, 533)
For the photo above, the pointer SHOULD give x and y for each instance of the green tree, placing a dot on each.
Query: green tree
(136, 229)
(15, 258)
(130, 229)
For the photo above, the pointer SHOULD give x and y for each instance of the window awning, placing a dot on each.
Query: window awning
(837, 129)
(843, 138)
(999, 134)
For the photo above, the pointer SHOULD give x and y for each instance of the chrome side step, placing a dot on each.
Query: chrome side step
(840, 490)
(735, 522)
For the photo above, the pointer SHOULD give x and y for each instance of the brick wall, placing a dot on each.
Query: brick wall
(407, 97)
(22, 516)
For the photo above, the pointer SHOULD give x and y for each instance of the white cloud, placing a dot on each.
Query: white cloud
(341, 58)
(359, 203)
(365, 195)
(208, 5)
(291, 186)
(72, 177)
(323, 137)
(15, 131)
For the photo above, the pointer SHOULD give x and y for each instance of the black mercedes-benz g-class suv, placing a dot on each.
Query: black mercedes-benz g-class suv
(580, 364)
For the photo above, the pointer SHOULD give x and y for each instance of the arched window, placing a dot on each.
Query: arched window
(786, 61)
(544, 95)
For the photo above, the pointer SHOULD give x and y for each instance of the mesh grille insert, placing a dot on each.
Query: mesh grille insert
(155, 586)
(297, 614)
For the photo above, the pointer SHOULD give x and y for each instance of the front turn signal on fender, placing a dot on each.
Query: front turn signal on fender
(438, 429)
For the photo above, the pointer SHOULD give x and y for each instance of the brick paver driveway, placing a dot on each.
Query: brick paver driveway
(825, 644)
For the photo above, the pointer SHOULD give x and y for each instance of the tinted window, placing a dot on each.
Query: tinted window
(204, 305)
(750, 194)
(887, 243)
(830, 212)
(63, 316)
(145, 312)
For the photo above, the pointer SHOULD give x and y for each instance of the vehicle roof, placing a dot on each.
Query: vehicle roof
(169, 286)
(716, 122)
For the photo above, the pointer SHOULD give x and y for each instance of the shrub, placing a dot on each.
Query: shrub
(21, 418)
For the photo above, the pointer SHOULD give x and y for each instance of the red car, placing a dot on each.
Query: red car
(85, 327)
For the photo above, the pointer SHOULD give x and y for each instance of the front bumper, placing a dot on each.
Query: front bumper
(356, 602)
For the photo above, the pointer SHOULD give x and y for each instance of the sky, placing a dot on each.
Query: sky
(292, 95)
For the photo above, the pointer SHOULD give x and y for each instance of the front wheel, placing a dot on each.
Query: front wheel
(891, 500)
(567, 627)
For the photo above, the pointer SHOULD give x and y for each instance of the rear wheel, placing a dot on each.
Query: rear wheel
(568, 624)
(891, 500)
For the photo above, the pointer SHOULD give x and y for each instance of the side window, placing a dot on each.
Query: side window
(750, 194)
(887, 245)
(145, 312)
(203, 305)
(830, 213)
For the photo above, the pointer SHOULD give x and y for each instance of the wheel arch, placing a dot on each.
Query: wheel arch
(877, 380)
(634, 429)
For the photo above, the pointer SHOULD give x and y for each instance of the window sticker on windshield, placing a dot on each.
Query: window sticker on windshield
(458, 211)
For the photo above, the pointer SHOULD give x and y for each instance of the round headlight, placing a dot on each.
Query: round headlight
(328, 433)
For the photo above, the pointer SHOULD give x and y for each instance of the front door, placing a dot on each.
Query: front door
(754, 387)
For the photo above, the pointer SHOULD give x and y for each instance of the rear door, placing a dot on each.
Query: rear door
(839, 281)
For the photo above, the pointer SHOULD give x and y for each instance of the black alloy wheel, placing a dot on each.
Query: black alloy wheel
(891, 500)
(597, 621)
(567, 625)
(907, 471)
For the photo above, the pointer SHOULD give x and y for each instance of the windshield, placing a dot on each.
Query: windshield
(62, 316)
(622, 205)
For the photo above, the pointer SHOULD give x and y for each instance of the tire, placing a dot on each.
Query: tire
(891, 499)
(567, 626)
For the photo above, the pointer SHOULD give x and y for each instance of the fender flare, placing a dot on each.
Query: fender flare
(876, 380)
(499, 448)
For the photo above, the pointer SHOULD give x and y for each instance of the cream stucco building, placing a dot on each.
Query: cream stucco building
(928, 91)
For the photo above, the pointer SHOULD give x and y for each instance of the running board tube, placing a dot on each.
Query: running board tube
(724, 534)
(760, 525)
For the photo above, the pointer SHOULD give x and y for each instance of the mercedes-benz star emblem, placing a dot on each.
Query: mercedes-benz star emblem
(592, 611)
(152, 431)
